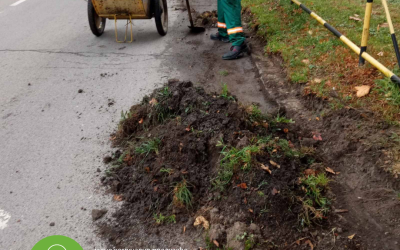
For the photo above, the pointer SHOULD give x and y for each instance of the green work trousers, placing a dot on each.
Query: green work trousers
(230, 21)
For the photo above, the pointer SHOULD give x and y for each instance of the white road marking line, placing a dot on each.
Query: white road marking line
(16, 3)
(4, 218)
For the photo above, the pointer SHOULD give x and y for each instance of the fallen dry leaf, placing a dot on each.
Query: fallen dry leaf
(265, 124)
(351, 236)
(202, 221)
(317, 136)
(338, 211)
(275, 164)
(275, 191)
(153, 102)
(184, 229)
(309, 172)
(306, 61)
(308, 242)
(317, 80)
(362, 90)
(251, 210)
(355, 18)
(266, 168)
(216, 243)
(242, 185)
(330, 170)
(118, 197)
(141, 121)
(188, 128)
(380, 53)
(285, 130)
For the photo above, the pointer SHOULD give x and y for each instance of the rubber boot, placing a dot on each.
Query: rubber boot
(218, 37)
(236, 52)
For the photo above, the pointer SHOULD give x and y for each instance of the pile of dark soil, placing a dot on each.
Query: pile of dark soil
(186, 155)
(207, 19)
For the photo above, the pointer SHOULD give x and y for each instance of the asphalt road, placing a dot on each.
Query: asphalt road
(53, 138)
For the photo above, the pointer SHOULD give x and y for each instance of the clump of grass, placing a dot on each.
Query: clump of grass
(125, 115)
(232, 160)
(287, 150)
(164, 93)
(182, 195)
(255, 114)
(282, 119)
(224, 73)
(168, 171)
(148, 147)
(249, 241)
(314, 186)
(314, 201)
(275, 146)
(225, 93)
(162, 112)
(390, 91)
(161, 219)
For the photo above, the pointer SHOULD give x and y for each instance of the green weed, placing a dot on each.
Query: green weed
(282, 119)
(225, 93)
(165, 93)
(182, 194)
(314, 201)
(314, 186)
(255, 114)
(232, 160)
(125, 115)
(169, 171)
(249, 241)
(263, 183)
(162, 112)
(224, 73)
(148, 147)
(161, 219)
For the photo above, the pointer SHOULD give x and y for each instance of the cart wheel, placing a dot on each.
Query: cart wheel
(161, 16)
(96, 23)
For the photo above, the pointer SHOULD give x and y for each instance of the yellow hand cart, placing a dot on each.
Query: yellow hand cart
(101, 10)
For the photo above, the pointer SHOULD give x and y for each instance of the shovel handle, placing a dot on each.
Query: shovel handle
(190, 13)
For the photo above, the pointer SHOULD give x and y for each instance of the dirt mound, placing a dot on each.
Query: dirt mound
(188, 157)
(207, 19)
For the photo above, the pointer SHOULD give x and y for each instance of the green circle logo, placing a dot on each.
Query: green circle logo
(57, 242)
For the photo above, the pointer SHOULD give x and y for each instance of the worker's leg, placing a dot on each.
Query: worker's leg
(222, 34)
(233, 18)
(221, 19)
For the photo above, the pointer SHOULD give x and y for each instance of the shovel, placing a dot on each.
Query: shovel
(192, 27)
